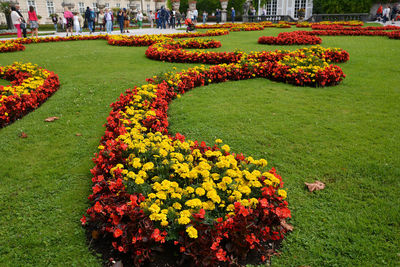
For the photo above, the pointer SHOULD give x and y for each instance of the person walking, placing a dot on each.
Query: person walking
(233, 14)
(178, 19)
(394, 13)
(87, 16)
(379, 13)
(120, 19)
(101, 21)
(109, 21)
(195, 15)
(54, 19)
(173, 18)
(16, 21)
(139, 18)
(163, 15)
(23, 22)
(204, 17)
(386, 14)
(77, 26)
(81, 22)
(151, 19)
(126, 20)
(33, 21)
(69, 18)
(218, 15)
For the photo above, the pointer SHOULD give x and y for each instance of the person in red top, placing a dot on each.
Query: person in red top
(379, 13)
(33, 21)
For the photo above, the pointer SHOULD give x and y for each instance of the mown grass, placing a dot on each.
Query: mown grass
(345, 136)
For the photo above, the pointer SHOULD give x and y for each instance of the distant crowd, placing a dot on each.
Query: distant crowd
(390, 13)
(104, 20)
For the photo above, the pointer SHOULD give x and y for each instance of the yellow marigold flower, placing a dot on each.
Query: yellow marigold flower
(161, 195)
(192, 232)
(154, 208)
(136, 163)
(189, 189)
(200, 191)
(226, 148)
(164, 223)
(139, 180)
(218, 141)
(148, 166)
(227, 180)
(177, 206)
(183, 220)
(194, 203)
(282, 193)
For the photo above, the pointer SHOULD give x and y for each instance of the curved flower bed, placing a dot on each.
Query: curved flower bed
(10, 46)
(31, 86)
(151, 188)
(246, 27)
(290, 38)
(140, 40)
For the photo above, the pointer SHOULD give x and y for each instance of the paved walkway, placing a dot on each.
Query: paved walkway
(150, 31)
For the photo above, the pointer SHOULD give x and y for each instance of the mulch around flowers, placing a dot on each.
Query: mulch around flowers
(167, 256)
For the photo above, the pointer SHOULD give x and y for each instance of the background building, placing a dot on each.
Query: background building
(289, 7)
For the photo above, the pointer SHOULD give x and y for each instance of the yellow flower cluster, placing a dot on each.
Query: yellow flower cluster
(38, 76)
(179, 181)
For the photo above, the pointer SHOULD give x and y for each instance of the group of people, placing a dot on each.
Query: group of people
(388, 14)
(20, 23)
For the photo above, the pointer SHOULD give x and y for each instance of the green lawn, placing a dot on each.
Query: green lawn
(346, 136)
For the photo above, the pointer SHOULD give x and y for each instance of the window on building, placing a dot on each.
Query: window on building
(94, 6)
(271, 7)
(32, 3)
(118, 5)
(81, 6)
(50, 7)
(298, 4)
(107, 5)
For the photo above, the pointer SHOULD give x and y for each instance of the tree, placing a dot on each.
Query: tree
(6, 9)
(342, 6)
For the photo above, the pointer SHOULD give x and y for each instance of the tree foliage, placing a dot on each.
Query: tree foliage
(342, 6)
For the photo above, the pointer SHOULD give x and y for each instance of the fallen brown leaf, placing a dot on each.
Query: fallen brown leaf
(50, 119)
(317, 185)
(287, 226)
(23, 135)
(78, 134)
(95, 234)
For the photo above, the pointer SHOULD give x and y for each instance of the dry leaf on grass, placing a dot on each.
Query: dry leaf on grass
(23, 135)
(317, 185)
(95, 234)
(287, 226)
(50, 119)
(78, 134)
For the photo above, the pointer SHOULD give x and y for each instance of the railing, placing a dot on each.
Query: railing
(339, 17)
(272, 18)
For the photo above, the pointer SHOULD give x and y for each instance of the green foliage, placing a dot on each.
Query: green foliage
(341, 6)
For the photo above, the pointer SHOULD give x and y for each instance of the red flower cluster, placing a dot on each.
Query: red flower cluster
(394, 35)
(336, 27)
(15, 105)
(290, 38)
(8, 46)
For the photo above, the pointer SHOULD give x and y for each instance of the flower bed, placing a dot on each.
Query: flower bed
(290, 38)
(31, 86)
(10, 46)
(151, 188)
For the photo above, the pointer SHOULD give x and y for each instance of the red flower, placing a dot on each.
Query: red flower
(117, 232)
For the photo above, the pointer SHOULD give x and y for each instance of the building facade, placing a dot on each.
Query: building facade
(44, 8)
(289, 7)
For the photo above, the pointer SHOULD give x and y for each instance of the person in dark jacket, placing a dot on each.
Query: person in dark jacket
(87, 16)
(120, 19)
(163, 16)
